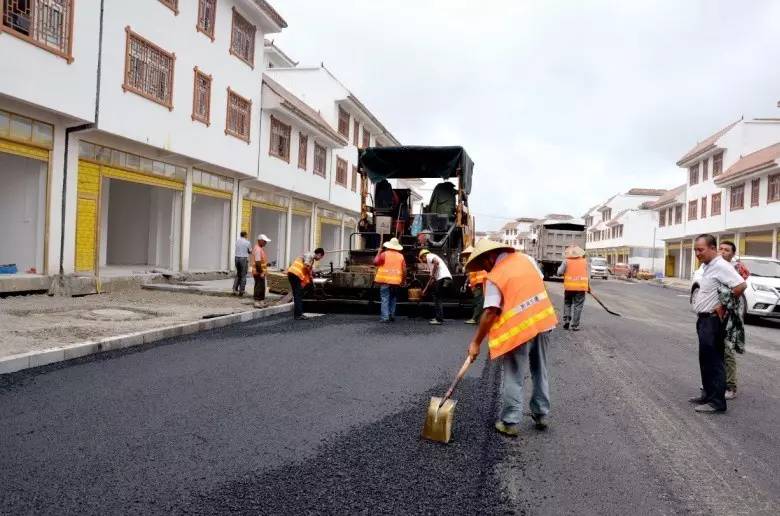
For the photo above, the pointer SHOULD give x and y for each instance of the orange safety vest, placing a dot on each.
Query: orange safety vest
(575, 279)
(391, 272)
(477, 279)
(526, 310)
(298, 268)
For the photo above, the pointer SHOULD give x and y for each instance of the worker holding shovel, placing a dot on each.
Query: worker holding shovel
(576, 283)
(517, 319)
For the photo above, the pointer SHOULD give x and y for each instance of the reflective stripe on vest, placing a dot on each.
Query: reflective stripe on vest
(391, 272)
(526, 307)
(575, 279)
(477, 279)
(299, 269)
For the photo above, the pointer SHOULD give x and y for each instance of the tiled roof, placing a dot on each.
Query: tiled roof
(753, 162)
(669, 196)
(707, 144)
(646, 191)
(303, 110)
(271, 13)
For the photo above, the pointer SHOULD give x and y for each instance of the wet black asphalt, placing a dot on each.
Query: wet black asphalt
(324, 417)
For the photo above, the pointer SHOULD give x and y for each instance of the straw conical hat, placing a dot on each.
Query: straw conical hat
(574, 251)
(393, 244)
(485, 246)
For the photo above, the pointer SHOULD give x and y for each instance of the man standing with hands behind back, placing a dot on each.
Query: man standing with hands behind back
(709, 324)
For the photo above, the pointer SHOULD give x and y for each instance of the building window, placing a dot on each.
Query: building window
(341, 172)
(678, 214)
(148, 70)
(242, 39)
(693, 174)
(201, 97)
(355, 132)
(303, 150)
(716, 203)
(692, 210)
(755, 185)
(703, 208)
(173, 5)
(207, 12)
(670, 216)
(717, 164)
(737, 201)
(354, 178)
(606, 214)
(662, 218)
(239, 116)
(44, 23)
(320, 158)
(366, 138)
(343, 123)
(705, 173)
(773, 188)
(280, 140)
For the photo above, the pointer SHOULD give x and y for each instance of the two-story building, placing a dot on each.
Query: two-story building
(623, 229)
(732, 192)
(517, 233)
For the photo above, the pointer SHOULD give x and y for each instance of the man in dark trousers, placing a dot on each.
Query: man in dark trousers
(259, 266)
(716, 272)
(576, 283)
(243, 250)
(300, 274)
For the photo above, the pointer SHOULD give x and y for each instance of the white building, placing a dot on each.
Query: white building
(517, 233)
(732, 191)
(623, 229)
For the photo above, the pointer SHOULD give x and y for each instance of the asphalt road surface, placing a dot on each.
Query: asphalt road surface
(324, 416)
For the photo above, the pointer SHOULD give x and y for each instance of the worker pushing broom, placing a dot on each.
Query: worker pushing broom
(517, 319)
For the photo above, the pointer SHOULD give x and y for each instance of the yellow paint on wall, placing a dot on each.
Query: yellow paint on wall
(211, 192)
(86, 226)
(25, 151)
(136, 177)
(246, 216)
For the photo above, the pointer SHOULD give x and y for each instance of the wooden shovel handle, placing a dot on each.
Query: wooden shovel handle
(457, 379)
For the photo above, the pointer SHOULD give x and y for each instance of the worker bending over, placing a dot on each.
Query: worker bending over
(576, 283)
(517, 319)
(390, 275)
(440, 279)
(476, 282)
(300, 274)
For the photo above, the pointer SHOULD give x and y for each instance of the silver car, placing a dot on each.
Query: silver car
(599, 268)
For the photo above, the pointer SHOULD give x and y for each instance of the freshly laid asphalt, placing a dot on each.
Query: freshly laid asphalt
(324, 416)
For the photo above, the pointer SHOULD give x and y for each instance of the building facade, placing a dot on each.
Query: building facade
(623, 229)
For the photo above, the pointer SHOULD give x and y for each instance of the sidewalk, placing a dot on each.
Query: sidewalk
(674, 283)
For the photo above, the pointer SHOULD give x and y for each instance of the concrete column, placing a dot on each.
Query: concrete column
(737, 238)
(186, 221)
(774, 243)
(235, 223)
(313, 232)
(287, 257)
(680, 261)
(341, 243)
(693, 257)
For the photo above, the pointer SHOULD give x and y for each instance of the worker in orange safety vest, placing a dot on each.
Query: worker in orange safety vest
(300, 275)
(390, 275)
(517, 319)
(576, 283)
(475, 281)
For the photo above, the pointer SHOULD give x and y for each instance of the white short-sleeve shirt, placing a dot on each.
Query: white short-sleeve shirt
(717, 272)
(443, 271)
(493, 296)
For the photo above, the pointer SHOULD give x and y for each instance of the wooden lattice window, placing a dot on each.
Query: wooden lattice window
(705, 173)
(47, 24)
(207, 13)
(280, 139)
(678, 214)
(366, 138)
(242, 39)
(343, 123)
(715, 202)
(303, 150)
(662, 218)
(355, 132)
(737, 200)
(703, 208)
(773, 188)
(354, 178)
(239, 116)
(320, 159)
(717, 164)
(201, 97)
(341, 172)
(755, 185)
(693, 210)
(693, 174)
(148, 70)
(173, 5)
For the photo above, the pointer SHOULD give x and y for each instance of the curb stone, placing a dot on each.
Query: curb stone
(21, 361)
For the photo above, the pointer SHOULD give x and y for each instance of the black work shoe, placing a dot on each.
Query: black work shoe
(565, 326)
(698, 400)
(707, 408)
(540, 421)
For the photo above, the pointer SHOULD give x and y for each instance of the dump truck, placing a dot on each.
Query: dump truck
(444, 226)
(549, 239)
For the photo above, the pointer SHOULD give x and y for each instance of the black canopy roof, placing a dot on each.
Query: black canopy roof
(416, 162)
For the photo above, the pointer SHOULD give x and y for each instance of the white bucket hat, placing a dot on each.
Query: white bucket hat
(262, 236)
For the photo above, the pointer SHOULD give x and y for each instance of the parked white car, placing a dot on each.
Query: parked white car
(762, 295)
(599, 268)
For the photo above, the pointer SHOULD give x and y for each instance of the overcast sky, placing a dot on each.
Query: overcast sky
(560, 104)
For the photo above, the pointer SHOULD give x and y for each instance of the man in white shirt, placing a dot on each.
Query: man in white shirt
(243, 250)
(441, 277)
(709, 326)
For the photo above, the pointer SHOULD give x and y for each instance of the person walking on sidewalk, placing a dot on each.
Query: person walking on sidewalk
(517, 319)
(243, 250)
(576, 283)
(390, 274)
(476, 282)
(440, 278)
(259, 266)
(716, 273)
(300, 274)
(727, 250)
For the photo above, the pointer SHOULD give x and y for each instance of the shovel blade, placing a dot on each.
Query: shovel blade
(438, 421)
